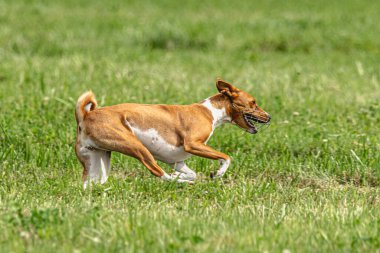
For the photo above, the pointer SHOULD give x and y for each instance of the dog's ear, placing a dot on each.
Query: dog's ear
(226, 88)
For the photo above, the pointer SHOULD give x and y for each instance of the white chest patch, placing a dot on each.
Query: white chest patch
(219, 115)
(158, 147)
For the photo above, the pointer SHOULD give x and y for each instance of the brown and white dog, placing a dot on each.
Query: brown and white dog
(169, 133)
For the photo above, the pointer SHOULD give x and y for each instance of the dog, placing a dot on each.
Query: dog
(169, 133)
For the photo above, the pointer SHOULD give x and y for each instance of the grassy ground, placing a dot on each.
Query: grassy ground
(309, 183)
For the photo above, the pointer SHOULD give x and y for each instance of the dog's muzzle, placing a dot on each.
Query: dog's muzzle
(253, 121)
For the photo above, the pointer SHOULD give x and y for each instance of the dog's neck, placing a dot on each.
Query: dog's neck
(220, 108)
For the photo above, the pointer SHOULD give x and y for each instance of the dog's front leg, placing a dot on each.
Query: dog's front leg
(202, 150)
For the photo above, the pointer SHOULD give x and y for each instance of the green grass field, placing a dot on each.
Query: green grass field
(308, 183)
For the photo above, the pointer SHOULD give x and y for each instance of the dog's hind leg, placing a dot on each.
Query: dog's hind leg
(125, 142)
(96, 165)
(183, 172)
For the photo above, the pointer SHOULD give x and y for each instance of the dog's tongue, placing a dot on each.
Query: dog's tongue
(252, 130)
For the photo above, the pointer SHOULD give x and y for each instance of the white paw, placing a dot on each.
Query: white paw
(185, 181)
(176, 174)
(182, 177)
(167, 177)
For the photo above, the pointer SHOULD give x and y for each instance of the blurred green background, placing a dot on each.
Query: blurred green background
(310, 182)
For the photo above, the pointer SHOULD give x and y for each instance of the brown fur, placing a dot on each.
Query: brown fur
(228, 94)
(180, 125)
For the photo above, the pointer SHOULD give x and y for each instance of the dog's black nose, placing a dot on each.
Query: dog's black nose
(268, 118)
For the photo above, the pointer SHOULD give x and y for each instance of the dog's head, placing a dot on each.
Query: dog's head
(244, 110)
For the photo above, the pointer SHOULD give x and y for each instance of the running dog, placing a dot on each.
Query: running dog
(169, 133)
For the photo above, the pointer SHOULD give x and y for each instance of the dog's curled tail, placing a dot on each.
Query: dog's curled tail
(86, 102)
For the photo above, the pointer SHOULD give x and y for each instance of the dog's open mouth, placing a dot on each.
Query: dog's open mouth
(252, 122)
